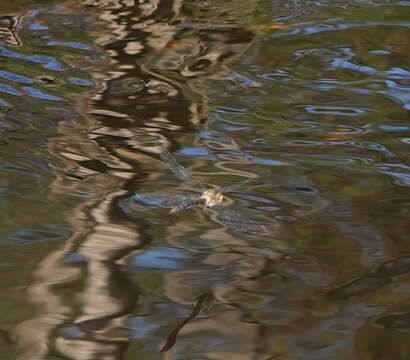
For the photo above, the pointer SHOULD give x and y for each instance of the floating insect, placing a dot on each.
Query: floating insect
(208, 198)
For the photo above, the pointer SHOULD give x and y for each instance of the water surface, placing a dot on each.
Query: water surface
(307, 100)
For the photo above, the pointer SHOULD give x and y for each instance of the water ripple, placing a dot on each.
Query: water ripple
(335, 110)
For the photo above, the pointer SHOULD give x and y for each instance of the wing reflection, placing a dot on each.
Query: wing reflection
(241, 222)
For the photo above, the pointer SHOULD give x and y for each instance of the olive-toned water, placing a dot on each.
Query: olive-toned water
(307, 100)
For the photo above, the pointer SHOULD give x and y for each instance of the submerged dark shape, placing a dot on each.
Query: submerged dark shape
(6, 338)
(203, 304)
(396, 321)
(396, 267)
(360, 286)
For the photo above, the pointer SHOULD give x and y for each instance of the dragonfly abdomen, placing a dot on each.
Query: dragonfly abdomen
(183, 206)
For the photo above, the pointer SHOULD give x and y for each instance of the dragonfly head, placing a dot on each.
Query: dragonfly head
(210, 198)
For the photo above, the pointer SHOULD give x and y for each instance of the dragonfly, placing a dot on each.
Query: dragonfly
(208, 198)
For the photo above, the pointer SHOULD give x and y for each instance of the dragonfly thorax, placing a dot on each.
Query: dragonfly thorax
(210, 198)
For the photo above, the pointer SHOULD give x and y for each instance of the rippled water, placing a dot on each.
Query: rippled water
(309, 101)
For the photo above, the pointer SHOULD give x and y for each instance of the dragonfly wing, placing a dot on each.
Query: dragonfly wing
(180, 171)
(231, 188)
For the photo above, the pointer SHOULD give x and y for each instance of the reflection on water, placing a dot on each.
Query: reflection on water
(309, 260)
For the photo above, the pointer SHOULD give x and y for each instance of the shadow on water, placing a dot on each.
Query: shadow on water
(308, 100)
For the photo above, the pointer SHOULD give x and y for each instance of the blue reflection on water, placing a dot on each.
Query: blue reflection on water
(41, 95)
(399, 172)
(380, 52)
(79, 81)
(335, 110)
(141, 326)
(394, 128)
(160, 258)
(3, 103)
(48, 61)
(71, 44)
(8, 53)
(37, 26)
(53, 232)
(194, 151)
(15, 77)
(8, 89)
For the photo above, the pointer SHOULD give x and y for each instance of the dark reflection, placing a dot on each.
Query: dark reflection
(135, 110)
(360, 286)
(6, 338)
(401, 321)
(203, 304)
(8, 29)
(396, 266)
